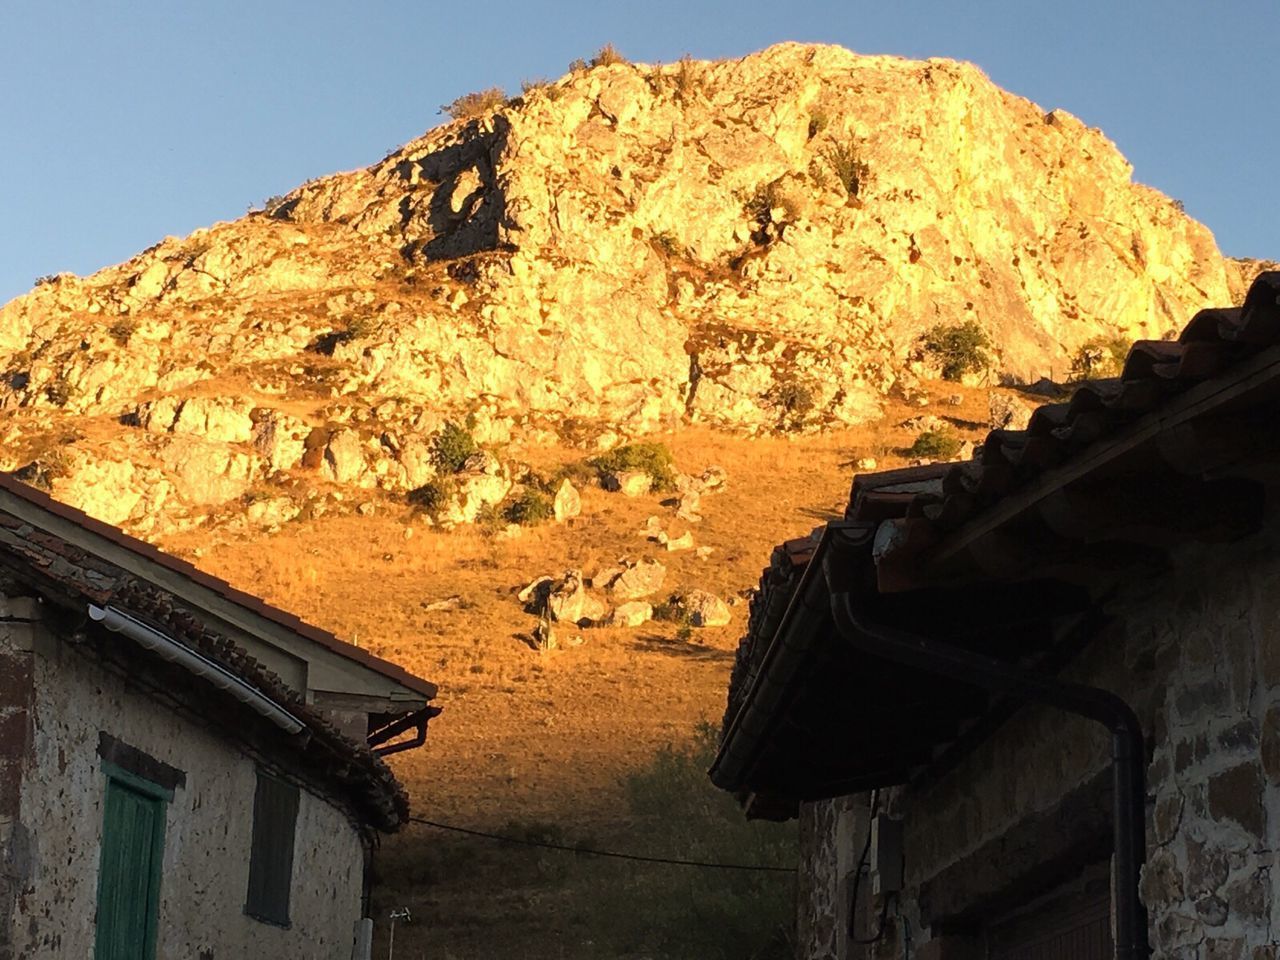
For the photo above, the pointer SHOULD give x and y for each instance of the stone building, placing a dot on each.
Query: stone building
(1028, 706)
(185, 772)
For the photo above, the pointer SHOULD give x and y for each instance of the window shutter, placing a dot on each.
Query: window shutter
(275, 817)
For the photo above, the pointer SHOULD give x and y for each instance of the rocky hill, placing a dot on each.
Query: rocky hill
(755, 244)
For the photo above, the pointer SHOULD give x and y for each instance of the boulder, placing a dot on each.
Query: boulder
(687, 507)
(568, 503)
(925, 423)
(281, 440)
(569, 601)
(705, 609)
(541, 584)
(1008, 412)
(482, 483)
(605, 576)
(710, 480)
(630, 483)
(684, 542)
(272, 511)
(633, 613)
(343, 457)
(215, 418)
(640, 580)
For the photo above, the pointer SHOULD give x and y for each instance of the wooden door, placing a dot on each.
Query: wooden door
(129, 872)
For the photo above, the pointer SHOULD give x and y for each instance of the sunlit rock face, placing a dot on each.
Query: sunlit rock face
(756, 244)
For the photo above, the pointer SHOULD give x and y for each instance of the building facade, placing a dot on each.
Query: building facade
(162, 793)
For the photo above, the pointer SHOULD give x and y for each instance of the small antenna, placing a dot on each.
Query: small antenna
(401, 914)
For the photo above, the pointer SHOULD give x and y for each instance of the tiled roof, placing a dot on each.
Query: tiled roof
(1144, 452)
(78, 577)
(937, 499)
(248, 601)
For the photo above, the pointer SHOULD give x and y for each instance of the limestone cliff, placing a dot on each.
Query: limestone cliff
(626, 249)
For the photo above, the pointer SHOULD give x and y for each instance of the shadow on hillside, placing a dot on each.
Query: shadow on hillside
(821, 514)
(684, 649)
(964, 424)
(463, 212)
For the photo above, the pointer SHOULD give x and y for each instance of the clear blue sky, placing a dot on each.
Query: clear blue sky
(127, 120)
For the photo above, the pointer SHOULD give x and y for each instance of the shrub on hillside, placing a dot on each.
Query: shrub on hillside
(530, 508)
(540, 85)
(432, 496)
(767, 198)
(607, 56)
(819, 120)
(479, 103)
(849, 167)
(122, 330)
(666, 242)
(646, 457)
(958, 349)
(794, 400)
(686, 79)
(1100, 357)
(452, 447)
(51, 465)
(58, 391)
(936, 445)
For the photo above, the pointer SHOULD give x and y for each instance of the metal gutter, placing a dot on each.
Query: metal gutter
(1128, 748)
(169, 649)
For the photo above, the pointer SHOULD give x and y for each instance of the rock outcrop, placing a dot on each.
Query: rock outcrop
(755, 244)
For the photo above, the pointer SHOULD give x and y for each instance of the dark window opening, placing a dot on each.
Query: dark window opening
(1073, 923)
(275, 817)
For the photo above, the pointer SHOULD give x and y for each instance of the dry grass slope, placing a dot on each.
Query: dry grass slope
(583, 744)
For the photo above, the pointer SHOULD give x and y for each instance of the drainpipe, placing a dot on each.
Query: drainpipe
(1128, 749)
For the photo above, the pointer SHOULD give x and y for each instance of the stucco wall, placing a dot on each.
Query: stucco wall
(207, 835)
(1198, 657)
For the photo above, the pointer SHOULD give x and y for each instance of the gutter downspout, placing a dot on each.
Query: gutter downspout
(169, 649)
(1128, 749)
(414, 721)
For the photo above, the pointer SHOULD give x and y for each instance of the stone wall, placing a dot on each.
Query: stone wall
(831, 832)
(1198, 657)
(16, 627)
(207, 831)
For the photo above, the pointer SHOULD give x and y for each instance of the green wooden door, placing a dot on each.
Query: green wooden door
(129, 875)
